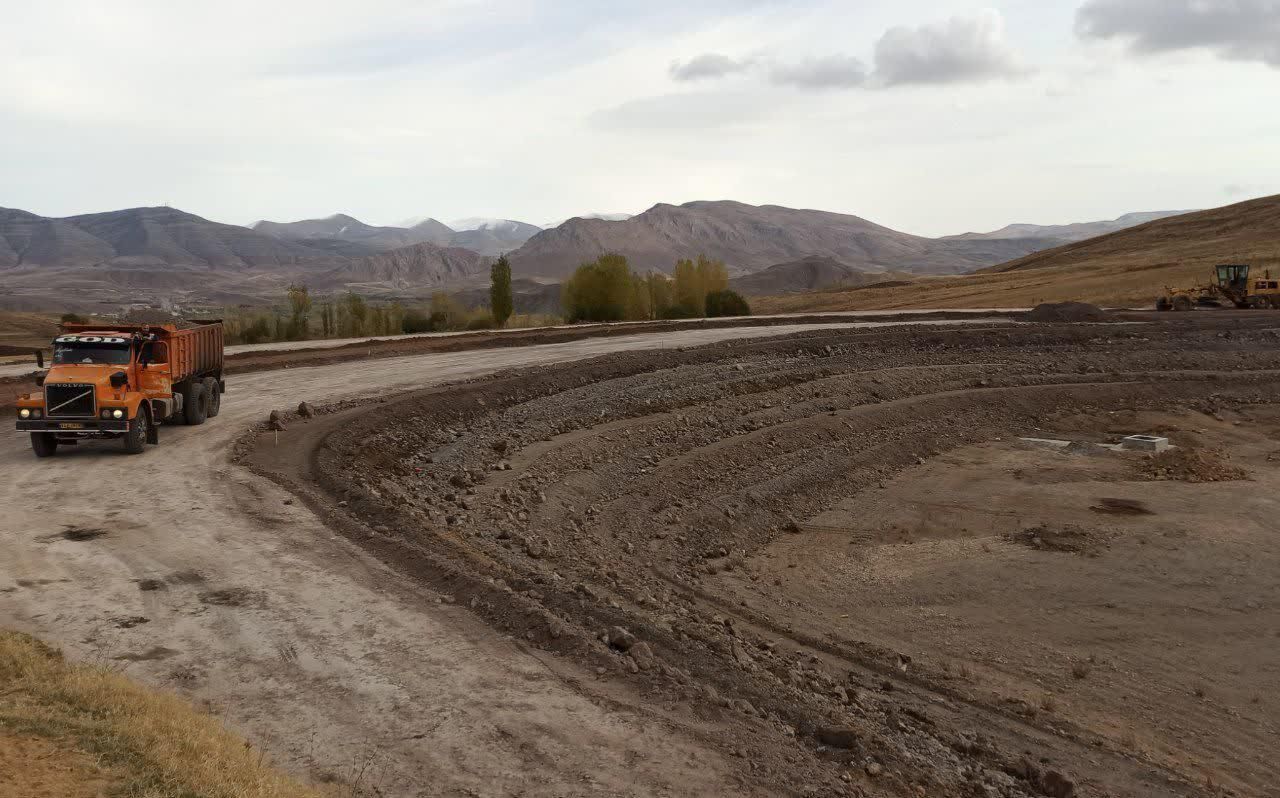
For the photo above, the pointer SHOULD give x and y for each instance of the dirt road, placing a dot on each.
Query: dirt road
(190, 572)
(289, 354)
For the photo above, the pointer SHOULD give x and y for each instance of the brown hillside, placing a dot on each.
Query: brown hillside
(1247, 232)
(1126, 268)
(749, 238)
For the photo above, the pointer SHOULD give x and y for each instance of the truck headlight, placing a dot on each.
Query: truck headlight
(24, 413)
(117, 414)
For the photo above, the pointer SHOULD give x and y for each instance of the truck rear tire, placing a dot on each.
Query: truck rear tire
(44, 444)
(1182, 303)
(135, 440)
(194, 404)
(213, 396)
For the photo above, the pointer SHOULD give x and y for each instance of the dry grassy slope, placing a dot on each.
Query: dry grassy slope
(83, 730)
(1130, 267)
(26, 330)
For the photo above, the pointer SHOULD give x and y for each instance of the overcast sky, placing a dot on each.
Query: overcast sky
(929, 116)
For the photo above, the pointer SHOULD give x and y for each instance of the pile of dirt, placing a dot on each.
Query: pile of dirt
(1066, 538)
(1067, 312)
(1192, 465)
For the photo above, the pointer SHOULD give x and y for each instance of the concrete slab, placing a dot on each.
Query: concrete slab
(1145, 443)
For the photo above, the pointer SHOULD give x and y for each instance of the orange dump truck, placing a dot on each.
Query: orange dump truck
(121, 381)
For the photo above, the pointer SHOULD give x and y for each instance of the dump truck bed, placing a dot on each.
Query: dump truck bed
(191, 351)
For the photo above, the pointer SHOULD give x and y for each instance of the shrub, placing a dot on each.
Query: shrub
(726, 303)
(415, 321)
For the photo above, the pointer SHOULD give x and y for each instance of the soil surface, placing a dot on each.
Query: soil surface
(191, 573)
(831, 559)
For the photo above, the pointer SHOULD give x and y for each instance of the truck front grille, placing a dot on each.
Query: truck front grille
(70, 400)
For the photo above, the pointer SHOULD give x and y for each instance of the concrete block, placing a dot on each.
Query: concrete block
(1145, 443)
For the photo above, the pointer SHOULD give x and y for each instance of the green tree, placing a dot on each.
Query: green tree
(327, 327)
(639, 303)
(726, 303)
(659, 287)
(688, 298)
(713, 275)
(598, 291)
(415, 321)
(354, 315)
(501, 304)
(299, 312)
(377, 320)
(446, 313)
(395, 318)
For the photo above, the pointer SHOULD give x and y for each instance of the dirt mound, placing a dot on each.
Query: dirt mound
(1066, 538)
(1067, 312)
(1192, 465)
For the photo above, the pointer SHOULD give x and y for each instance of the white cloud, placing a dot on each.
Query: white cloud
(707, 65)
(959, 50)
(829, 72)
(962, 49)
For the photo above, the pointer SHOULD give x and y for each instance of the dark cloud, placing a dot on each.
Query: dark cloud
(1239, 30)
(707, 66)
(960, 50)
(830, 72)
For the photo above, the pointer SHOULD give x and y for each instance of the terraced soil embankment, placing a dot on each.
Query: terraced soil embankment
(595, 508)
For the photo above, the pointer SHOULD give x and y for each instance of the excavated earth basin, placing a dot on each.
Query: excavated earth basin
(718, 529)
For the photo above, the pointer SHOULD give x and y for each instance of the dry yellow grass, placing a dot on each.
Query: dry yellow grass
(27, 330)
(34, 767)
(87, 730)
(1103, 285)
(1129, 268)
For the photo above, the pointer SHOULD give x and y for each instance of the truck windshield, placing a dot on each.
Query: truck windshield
(112, 354)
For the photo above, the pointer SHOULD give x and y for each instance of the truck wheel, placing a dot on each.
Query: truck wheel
(44, 444)
(213, 396)
(194, 404)
(135, 440)
(1182, 303)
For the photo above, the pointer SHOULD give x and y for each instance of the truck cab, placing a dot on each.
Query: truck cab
(122, 382)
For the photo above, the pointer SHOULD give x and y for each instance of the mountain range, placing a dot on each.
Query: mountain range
(1080, 231)
(749, 238)
(142, 254)
(347, 236)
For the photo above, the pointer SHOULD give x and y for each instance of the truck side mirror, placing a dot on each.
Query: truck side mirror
(40, 358)
(119, 380)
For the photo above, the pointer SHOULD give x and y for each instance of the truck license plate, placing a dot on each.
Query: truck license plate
(71, 426)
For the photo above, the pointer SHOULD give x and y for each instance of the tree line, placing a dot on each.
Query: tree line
(607, 290)
(301, 317)
(603, 290)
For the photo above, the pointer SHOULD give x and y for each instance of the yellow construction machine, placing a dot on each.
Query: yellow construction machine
(1232, 285)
